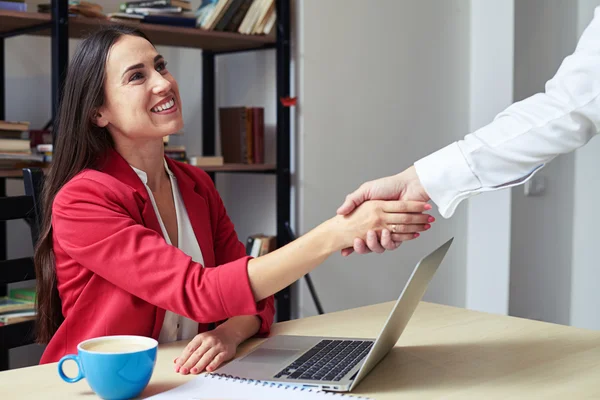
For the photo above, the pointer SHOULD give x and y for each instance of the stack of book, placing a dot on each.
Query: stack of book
(242, 134)
(15, 147)
(18, 306)
(256, 17)
(164, 12)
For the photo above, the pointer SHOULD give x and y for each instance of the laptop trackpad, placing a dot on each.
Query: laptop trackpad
(270, 356)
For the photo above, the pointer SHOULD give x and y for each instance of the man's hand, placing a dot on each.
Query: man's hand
(404, 186)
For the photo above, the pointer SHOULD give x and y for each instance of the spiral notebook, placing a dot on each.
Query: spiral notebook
(221, 387)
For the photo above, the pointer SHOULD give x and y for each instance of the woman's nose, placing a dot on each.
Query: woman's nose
(161, 84)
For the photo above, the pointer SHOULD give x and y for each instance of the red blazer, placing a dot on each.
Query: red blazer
(116, 273)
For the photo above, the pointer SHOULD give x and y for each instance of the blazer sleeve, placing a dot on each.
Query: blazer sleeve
(525, 136)
(229, 248)
(95, 226)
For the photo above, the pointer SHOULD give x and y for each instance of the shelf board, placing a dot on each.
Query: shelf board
(11, 173)
(243, 168)
(159, 34)
(258, 168)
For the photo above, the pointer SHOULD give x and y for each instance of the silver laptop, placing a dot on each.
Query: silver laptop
(333, 363)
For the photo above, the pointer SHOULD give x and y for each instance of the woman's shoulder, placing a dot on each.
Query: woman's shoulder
(89, 184)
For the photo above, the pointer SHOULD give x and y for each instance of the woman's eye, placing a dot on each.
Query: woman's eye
(161, 66)
(136, 76)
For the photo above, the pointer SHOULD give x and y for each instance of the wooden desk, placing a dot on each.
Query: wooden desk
(445, 352)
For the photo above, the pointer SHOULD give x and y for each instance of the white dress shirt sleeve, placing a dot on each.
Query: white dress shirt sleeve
(524, 137)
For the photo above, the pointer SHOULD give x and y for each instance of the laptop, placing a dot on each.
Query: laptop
(334, 363)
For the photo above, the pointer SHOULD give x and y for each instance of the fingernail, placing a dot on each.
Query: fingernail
(371, 234)
(177, 367)
(416, 235)
(427, 226)
(427, 206)
(194, 370)
(175, 360)
(184, 371)
(209, 369)
(430, 219)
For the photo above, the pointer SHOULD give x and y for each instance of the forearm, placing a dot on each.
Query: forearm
(240, 328)
(272, 272)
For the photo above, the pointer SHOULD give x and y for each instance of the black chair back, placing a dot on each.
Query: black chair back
(28, 208)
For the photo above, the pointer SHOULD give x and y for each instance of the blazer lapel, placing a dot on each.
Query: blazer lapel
(115, 165)
(198, 212)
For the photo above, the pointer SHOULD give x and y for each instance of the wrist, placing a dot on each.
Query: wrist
(328, 234)
(413, 187)
(238, 329)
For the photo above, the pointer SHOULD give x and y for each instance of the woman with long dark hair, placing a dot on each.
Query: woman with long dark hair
(135, 243)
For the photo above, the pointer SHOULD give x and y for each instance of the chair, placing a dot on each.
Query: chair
(26, 207)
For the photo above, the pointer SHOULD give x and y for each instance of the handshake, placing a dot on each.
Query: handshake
(401, 216)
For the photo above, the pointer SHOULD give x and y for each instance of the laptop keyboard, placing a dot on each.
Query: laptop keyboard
(328, 360)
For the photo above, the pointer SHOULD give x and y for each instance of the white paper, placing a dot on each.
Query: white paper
(214, 387)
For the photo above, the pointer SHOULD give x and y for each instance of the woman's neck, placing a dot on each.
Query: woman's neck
(147, 156)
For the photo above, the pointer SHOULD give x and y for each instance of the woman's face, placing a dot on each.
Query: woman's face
(141, 96)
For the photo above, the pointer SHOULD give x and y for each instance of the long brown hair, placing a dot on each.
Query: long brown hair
(78, 145)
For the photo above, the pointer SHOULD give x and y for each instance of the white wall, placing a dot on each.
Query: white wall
(585, 275)
(554, 272)
(491, 75)
(545, 32)
(379, 87)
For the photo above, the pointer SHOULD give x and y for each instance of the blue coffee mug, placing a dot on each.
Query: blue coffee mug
(115, 367)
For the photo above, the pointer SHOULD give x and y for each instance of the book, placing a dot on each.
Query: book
(242, 134)
(253, 245)
(234, 5)
(249, 144)
(215, 386)
(16, 317)
(27, 294)
(154, 11)
(211, 21)
(15, 145)
(185, 5)
(232, 122)
(173, 20)
(206, 161)
(259, 244)
(10, 305)
(258, 135)
(13, 6)
(14, 125)
(238, 16)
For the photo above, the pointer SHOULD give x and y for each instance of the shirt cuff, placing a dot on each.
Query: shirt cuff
(447, 178)
(235, 291)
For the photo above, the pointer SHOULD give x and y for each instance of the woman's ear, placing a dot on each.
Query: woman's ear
(99, 119)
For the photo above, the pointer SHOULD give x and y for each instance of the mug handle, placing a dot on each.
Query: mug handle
(79, 368)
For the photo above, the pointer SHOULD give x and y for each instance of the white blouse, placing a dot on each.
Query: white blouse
(176, 327)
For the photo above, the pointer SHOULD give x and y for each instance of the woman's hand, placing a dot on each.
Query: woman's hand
(403, 220)
(206, 350)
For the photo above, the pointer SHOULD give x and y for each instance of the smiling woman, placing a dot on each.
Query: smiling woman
(134, 243)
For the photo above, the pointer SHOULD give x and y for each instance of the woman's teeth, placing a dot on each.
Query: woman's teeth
(165, 106)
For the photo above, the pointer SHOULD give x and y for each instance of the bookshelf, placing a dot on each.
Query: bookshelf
(39, 24)
(59, 28)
